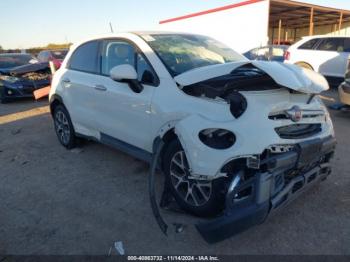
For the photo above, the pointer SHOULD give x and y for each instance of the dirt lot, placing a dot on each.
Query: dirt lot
(54, 201)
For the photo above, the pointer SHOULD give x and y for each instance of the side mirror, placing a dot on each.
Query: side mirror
(127, 74)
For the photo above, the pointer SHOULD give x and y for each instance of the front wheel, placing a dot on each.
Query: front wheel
(63, 127)
(198, 197)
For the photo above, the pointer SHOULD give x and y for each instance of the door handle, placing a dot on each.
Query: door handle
(100, 88)
(66, 81)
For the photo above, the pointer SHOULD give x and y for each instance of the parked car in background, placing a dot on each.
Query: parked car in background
(243, 135)
(56, 56)
(21, 81)
(327, 55)
(11, 60)
(282, 42)
(344, 88)
(267, 53)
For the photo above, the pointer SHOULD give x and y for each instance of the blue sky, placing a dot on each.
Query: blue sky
(26, 23)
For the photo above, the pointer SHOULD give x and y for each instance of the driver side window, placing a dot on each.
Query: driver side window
(117, 52)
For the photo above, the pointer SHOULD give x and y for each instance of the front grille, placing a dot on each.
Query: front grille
(305, 114)
(298, 131)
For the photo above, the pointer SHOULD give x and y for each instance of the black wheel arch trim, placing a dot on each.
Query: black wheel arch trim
(53, 99)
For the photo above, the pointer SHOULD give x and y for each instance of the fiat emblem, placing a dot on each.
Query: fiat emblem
(295, 114)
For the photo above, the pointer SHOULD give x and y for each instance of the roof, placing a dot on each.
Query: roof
(282, 9)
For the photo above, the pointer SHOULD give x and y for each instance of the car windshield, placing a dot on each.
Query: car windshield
(59, 54)
(183, 52)
(14, 60)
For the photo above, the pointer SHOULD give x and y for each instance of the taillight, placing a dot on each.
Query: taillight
(286, 55)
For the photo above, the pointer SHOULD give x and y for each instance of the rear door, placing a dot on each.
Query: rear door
(79, 87)
(331, 56)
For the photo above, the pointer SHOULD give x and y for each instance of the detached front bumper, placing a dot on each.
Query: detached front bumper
(285, 178)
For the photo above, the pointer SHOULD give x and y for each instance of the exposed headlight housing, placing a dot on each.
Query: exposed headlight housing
(217, 138)
(238, 104)
(10, 79)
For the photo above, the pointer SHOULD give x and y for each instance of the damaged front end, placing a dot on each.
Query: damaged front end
(279, 178)
(270, 138)
(22, 81)
(258, 187)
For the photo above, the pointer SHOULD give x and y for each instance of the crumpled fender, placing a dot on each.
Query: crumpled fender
(205, 162)
(192, 146)
(287, 75)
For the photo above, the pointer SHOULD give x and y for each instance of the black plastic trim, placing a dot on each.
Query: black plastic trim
(126, 148)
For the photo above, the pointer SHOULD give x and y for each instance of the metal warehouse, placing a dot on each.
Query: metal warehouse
(253, 23)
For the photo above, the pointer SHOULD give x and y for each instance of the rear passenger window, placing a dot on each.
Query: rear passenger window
(85, 58)
(347, 45)
(332, 44)
(309, 44)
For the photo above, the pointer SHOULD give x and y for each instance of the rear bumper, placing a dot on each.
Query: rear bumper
(268, 195)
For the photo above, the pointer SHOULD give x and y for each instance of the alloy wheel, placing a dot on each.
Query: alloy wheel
(62, 127)
(193, 192)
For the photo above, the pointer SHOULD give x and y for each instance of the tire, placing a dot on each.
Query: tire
(205, 199)
(3, 99)
(305, 65)
(64, 127)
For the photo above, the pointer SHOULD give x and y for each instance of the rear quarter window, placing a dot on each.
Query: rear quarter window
(85, 58)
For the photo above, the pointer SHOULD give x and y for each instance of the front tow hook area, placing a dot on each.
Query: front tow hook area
(236, 217)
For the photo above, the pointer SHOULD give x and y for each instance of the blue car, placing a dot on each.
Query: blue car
(20, 75)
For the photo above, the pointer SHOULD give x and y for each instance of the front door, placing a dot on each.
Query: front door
(123, 114)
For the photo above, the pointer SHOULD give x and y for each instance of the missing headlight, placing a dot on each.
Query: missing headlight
(238, 104)
(217, 138)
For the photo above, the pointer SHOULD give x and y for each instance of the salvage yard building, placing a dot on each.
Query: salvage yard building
(253, 23)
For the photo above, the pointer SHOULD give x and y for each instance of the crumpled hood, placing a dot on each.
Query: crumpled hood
(287, 75)
(25, 69)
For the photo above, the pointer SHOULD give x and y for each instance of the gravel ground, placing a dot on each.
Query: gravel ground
(55, 201)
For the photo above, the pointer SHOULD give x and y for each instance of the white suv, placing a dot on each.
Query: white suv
(326, 55)
(238, 133)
